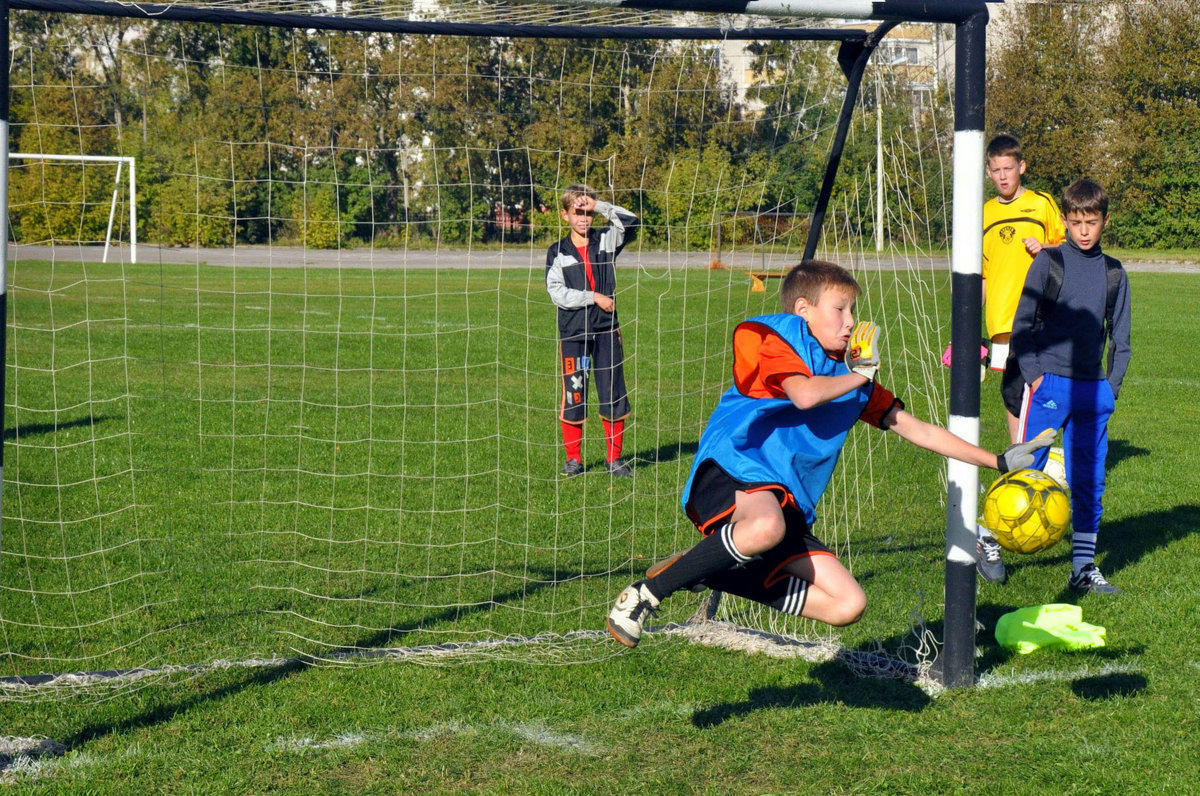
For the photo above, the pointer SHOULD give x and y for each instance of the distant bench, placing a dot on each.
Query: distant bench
(758, 279)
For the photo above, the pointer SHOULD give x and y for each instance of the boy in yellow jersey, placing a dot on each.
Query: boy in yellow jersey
(1017, 223)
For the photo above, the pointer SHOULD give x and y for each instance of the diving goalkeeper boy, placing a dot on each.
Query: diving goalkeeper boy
(802, 378)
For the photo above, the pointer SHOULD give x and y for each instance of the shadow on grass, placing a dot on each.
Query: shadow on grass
(373, 645)
(835, 685)
(1121, 544)
(1119, 450)
(1107, 686)
(649, 457)
(172, 709)
(33, 429)
(376, 643)
(1132, 539)
(664, 453)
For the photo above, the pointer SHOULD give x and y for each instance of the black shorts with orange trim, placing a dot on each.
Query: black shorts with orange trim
(714, 498)
(712, 502)
(600, 358)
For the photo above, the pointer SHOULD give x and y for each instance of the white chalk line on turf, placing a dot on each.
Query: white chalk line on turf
(29, 759)
(343, 740)
(535, 732)
(991, 680)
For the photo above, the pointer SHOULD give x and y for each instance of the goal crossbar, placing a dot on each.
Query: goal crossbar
(393, 18)
(222, 15)
(924, 10)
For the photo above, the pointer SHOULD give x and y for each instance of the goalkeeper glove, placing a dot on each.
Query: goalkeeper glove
(862, 351)
(1020, 455)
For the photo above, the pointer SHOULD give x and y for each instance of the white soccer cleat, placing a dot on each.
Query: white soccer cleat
(634, 604)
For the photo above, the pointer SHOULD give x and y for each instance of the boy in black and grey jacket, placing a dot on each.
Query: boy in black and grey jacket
(581, 279)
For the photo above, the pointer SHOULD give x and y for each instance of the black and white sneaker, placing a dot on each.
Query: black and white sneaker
(988, 562)
(572, 468)
(634, 605)
(1089, 579)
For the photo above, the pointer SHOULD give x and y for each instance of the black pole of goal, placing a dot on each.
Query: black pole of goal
(956, 664)
(852, 58)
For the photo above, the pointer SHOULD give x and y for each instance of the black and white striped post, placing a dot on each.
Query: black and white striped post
(956, 667)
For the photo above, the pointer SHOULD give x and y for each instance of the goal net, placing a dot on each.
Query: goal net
(318, 417)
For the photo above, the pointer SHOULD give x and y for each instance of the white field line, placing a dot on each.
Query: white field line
(24, 760)
(992, 680)
(537, 733)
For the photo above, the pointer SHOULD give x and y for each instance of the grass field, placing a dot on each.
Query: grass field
(238, 527)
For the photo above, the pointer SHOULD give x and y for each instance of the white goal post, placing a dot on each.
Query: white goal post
(121, 161)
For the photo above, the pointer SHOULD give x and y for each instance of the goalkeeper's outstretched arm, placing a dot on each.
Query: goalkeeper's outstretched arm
(939, 440)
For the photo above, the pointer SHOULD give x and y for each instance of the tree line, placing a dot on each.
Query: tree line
(1109, 91)
(257, 135)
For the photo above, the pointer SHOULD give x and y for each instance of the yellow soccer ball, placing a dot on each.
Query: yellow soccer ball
(1026, 510)
(1056, 467)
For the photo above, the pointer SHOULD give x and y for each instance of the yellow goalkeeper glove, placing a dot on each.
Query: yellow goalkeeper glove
(862, 351)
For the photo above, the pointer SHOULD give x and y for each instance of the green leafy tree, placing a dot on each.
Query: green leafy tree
(1152, 73)
(579, 106)
(1042, 87)
(365, 103)
(191, 214)
(65, 98)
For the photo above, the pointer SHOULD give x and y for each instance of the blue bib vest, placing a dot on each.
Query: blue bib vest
(769, 440)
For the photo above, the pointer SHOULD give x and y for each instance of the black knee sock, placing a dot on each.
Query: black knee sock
(787, 594)
(714, 553)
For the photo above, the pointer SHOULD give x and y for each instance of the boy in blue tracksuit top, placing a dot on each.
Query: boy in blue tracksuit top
(1060, 347)
(801, 379)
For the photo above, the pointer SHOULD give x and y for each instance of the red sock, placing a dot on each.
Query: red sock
(613, 431)
(572, 440)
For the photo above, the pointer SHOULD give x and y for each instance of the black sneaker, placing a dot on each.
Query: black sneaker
(1089, 579)
(572, 468)
(619, 468)
(990, 566)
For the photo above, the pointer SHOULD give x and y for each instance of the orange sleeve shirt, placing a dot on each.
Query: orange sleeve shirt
(763, 360)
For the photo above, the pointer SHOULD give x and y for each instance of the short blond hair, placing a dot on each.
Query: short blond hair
(574, 192)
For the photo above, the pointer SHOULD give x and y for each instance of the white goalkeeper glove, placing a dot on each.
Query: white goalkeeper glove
(1020, 455)
(862, 351)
